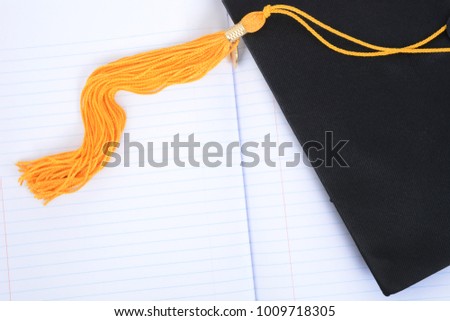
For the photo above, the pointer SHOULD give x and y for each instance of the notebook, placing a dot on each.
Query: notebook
(172, 233)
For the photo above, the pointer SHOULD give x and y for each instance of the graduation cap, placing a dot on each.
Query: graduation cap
(372, 72)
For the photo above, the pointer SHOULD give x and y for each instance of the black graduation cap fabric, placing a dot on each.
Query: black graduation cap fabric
(395, 111)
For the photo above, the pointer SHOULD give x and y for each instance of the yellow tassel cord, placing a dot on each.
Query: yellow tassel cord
(376, 51)
(150, 72)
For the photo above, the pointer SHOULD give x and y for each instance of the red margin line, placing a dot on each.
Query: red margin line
(6, 238)
(285, 207)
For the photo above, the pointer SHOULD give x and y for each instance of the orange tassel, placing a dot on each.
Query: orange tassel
(151, 72)
(104, 120)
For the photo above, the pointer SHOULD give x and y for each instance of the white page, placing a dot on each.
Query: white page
(130, 233)
(300, 246)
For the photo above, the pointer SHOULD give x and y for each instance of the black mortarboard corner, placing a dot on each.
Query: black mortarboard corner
(394, 110)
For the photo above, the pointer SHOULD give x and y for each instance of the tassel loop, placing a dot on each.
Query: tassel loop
(267, 11)
(254, 21)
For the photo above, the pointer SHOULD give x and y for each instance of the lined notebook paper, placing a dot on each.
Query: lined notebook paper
(134, 233)
(225, 233)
